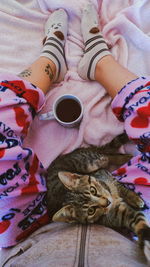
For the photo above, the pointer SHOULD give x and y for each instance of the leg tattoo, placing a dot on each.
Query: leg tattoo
(49, 72)
(25, 73)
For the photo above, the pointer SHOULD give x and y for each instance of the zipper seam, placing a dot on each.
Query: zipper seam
(76, 249)
(81, 260)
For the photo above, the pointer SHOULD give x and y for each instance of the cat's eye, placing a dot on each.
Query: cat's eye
(91, 210)
(93, 190)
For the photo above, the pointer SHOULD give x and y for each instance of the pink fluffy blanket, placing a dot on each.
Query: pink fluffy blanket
(126, 27)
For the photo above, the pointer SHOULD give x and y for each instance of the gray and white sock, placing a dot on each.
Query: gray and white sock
(56, 33)
(95, 45)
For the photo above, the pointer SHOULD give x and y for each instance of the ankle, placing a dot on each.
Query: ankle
(102, 64)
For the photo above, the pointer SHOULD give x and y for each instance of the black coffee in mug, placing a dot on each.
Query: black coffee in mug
(68, 110)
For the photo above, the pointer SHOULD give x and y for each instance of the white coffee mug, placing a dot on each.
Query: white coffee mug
(67, 110)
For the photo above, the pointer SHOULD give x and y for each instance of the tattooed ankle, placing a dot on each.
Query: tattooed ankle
(49, 72)
(25, 73)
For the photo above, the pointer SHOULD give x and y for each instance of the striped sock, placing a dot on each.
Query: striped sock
(56, 33)
(95, 45)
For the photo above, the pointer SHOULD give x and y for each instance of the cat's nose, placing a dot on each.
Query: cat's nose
(108, 203)
(104, 202)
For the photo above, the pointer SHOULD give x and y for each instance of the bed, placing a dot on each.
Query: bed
(125, 25)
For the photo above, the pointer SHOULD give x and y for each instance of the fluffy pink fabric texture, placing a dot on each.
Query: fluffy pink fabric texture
(125, 26)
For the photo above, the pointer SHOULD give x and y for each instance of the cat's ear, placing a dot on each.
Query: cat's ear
(70, 180)
(65, 214)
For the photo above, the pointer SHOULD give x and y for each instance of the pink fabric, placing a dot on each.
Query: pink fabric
(125, 25)
(22, 182)
(132, 106)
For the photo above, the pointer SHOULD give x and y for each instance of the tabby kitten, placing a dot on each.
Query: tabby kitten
(81, 189)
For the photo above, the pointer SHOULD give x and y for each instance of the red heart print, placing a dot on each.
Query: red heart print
(139, 122)
(144, 111)
(141, 180)
(4, 226)
(32, 96)
(121, 171)
(118, 112)
(2, 152)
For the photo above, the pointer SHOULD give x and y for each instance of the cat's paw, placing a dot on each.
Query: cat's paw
(135, 201)
(147, 251)
(139, 203)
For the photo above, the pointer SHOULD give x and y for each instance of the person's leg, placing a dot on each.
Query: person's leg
(51, 65)
(97, 63)
(41, 73)
(22, 177)
(112, 75)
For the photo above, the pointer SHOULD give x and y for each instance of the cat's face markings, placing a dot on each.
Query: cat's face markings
(93, 190)
(88, 185)
(99, 193)
(90, 199)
